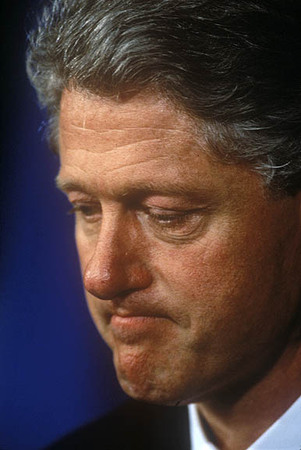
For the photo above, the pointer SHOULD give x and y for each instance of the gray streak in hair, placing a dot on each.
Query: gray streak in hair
(232, 65)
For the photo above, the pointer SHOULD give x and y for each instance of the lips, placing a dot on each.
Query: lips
(130, 328)
(125, 309)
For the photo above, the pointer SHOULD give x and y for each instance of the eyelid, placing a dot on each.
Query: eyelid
(79, 196)
(173, 225)
(174, 215)
(174, 211)
(76, 204)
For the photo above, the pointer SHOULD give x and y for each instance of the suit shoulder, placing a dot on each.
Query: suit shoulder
(133, 426)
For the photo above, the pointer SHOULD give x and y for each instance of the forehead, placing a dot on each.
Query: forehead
(111, 146)
(145, 131)
(148, 110)
(104, 125)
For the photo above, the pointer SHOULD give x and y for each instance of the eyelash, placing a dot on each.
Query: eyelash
(170, 215)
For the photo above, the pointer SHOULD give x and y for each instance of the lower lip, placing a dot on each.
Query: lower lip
(134, 326)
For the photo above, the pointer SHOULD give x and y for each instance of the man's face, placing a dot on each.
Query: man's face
(191, 270)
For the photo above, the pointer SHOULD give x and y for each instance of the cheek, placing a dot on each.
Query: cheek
(218, 283)
(211, 267)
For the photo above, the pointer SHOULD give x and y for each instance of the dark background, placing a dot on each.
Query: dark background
(55, 372)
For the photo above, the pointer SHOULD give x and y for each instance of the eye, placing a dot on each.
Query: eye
(174, 223)
(89, 212)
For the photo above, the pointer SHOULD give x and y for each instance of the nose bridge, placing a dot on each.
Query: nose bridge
(116, 265)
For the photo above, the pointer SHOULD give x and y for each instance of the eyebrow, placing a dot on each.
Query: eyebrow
(142, 188)
(69, 185)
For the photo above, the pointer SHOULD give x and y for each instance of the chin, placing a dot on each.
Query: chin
(151, 393)
(154, 387)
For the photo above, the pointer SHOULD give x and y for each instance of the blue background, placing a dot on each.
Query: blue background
(55, 372)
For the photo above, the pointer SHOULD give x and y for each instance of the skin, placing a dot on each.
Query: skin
(191, 268)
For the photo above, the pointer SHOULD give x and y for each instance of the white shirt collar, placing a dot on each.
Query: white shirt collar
(198, 438)
(284, 434)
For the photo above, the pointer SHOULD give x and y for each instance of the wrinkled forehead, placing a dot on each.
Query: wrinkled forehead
(148, 109)
(143, 132)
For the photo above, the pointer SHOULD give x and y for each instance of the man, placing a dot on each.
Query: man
(178, 129)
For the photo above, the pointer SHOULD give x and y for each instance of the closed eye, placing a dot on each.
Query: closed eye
(174, 223)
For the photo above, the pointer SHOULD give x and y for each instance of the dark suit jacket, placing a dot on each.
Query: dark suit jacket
(133, 426)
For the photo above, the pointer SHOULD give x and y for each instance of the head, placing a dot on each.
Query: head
(232, 66)
(177, 124)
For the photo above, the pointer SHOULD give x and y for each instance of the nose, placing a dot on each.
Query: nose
(116, 266)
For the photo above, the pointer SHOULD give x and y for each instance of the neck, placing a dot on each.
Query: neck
(236, 423)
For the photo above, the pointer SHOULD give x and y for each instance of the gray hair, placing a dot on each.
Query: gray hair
(232, 65)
